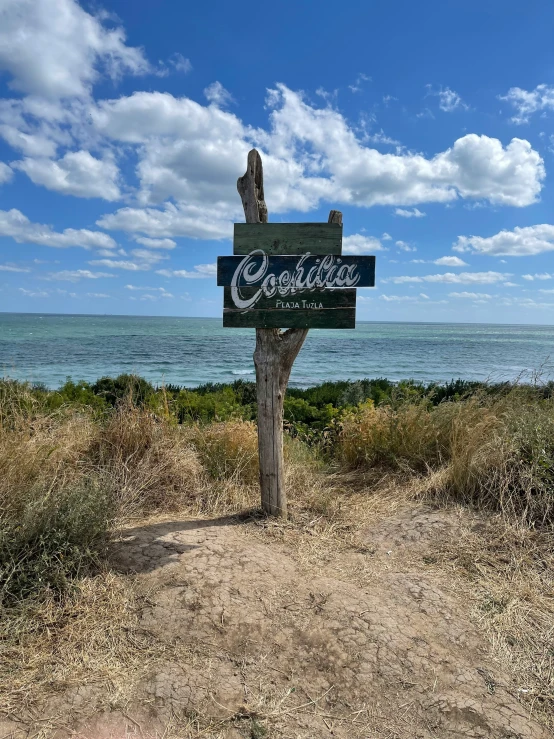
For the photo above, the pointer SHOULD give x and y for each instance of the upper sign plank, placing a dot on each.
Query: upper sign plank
(286, 274)
(288, 238)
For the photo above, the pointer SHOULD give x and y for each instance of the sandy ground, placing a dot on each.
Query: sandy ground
(267, 639)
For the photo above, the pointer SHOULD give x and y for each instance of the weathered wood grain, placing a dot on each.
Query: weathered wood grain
(278, 264)
(330, 298)
(278, 318)
(288, 238)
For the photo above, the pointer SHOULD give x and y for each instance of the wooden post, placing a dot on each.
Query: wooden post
(273, 358)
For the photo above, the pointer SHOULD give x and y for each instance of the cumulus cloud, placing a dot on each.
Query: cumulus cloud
(542, 276)
(191, 154)
(180, 63)
(520, 242)
(55, 49)
(404, 246)
(413, 213)
(12, 268)
(449, 100)
(13, 223)
(527, 102)
(6, 173)
(450, 262)
(471, 296)
(360, 244)
(34, 293)
(465, 278)
(156, 243)
(74, 275)
(121, 264)
(201, 271)
(77, 173)
(194, 221)
(217, 94)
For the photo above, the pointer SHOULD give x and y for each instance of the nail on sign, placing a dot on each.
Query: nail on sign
(294, 289)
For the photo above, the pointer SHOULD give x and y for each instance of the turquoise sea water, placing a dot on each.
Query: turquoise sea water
(189, 351)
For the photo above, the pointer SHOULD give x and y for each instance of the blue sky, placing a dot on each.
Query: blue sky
(124, 126)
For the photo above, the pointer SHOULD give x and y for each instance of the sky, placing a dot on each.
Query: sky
(124, 127)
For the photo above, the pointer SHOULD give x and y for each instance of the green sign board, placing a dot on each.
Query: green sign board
(291, 275)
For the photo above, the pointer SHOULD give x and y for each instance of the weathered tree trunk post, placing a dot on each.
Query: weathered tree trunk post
(273, 358)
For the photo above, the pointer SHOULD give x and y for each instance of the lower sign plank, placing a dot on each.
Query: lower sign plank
(301, 300)
(282, 273)
(290, 318)
(331, 308)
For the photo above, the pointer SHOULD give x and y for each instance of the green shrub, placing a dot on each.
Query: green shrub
(114, 390)
(51, 537)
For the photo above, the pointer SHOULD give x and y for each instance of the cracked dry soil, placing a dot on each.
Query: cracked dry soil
(287, 652)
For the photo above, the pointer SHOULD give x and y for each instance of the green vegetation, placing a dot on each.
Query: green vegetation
(75, 461)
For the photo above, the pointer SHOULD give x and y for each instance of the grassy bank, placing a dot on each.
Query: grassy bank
(78, 462)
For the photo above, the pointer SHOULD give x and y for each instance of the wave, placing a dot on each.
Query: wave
(242, 372)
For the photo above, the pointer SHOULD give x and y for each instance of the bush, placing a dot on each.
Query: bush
(52, 538)
(113, 390)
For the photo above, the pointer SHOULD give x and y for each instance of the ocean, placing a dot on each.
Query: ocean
(47, 349)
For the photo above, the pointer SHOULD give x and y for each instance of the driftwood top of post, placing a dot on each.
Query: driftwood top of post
(251, 189)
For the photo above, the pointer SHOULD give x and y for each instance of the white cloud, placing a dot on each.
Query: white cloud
(180, 63)
(386, 237)
(197, 222)
(449, 100)
(6, 173)
(398, 298)
(34, 293)
(78, 173)
(13, 223)
(404, 246)
(522, 241)
(98, 295)
(156, 243)
(542, 276)
(359, 244)
(411, 299)
(192, 154)
(413, 213)
(55, 49)
(358, 84)
(121, 264)
(12, 268)
(162, 290)
(471, 296)
(149, 256)
(74, 275)
(466, 278)
(527, 102)
(218, 95)
(380, 137)
(201, 271)
(450, 262)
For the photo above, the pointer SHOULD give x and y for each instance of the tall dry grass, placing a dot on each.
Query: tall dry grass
(66, 478)
(495, 452)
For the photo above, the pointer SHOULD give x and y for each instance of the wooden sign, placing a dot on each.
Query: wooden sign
(284, 275)
(268, 290)
(288, 238)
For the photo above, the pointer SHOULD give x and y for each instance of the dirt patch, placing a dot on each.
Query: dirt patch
(259, 646)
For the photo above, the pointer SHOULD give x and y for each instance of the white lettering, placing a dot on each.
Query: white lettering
(330, 271)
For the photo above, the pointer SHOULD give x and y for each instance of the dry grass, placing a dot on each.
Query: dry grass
(494, 452)
(67, 479)
(507, 573)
